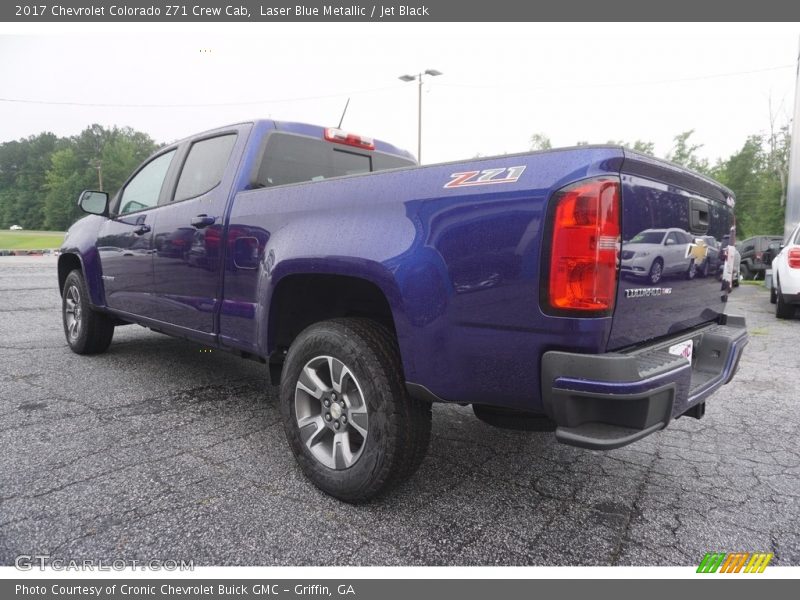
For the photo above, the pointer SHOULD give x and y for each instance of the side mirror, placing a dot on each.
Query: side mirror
(94, 203)
(669, 242)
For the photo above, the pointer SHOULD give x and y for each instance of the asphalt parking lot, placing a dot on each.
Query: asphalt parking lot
(158, 450)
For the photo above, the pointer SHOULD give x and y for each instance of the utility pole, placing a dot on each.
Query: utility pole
(793, 188)
(98, 164)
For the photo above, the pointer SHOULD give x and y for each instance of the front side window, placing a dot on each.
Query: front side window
(205, 166)
(144, 189)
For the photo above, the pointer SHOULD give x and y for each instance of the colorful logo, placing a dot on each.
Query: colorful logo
(734, 562)
(485, 177)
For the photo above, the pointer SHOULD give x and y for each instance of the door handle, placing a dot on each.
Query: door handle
(142, 229)
(201, 221)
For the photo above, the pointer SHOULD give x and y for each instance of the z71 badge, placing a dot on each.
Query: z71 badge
(485, 177)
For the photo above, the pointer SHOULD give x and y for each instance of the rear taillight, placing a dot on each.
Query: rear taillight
(332, 134)
(794, 258)
(584, 249)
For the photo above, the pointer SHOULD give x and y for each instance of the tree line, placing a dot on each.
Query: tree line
(42, 175)
(757, 173)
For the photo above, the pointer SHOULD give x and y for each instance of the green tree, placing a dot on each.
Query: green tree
(65, 180)
(41, 176)
(125, 151)
(638, 146)
(684, 153)
(759, 189)
(540, 141)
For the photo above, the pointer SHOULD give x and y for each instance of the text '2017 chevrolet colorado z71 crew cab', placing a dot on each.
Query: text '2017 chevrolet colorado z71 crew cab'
(551, 290)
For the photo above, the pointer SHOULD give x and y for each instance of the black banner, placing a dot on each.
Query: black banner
(386, 10)
(395, 589)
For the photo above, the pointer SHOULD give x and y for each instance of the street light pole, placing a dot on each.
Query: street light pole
(432, 73)
(419, 120)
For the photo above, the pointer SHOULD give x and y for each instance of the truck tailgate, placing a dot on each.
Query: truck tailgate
(675, 225)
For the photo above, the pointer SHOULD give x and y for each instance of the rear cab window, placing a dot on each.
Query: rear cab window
(290, 158)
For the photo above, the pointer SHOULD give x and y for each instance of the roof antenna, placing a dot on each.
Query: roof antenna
(343, 113)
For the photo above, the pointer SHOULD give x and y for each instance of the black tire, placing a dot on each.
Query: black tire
(691, 273)
(87, 331)
(656, 271)
(773, 295)
(747, 274)
(782, 309)
(504, 418)
(398, 426)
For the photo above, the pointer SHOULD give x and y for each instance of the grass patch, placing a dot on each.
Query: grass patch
(30, 240)
(758, 282)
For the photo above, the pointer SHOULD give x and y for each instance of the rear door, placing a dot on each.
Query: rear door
(189, 235)
(659, 195)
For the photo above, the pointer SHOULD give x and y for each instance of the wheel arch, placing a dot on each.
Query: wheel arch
(301, 298)
(67, 263)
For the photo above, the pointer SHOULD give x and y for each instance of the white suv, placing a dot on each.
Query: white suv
(785, 290)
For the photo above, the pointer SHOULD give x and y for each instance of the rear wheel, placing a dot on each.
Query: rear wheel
(349, 420)
(773, 295)
(87, 331)
(656, 271)
(782, 309)
(745, 271)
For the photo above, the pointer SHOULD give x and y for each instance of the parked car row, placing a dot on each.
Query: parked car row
(656, 253)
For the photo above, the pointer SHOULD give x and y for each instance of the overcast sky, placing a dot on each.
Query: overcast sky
(501, 82)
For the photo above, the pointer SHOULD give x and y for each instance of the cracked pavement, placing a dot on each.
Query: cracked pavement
(157, 450)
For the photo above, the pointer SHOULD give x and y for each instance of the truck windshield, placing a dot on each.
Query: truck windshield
(293, 158)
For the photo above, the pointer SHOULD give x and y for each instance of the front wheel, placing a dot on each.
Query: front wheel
(656, 271)
(348, 418)
(692, 272)
(87, 331)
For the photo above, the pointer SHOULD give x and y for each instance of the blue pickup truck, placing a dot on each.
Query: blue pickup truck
(372, 287)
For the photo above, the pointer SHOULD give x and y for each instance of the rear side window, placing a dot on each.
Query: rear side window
(204, 167)
(144, 189)
(292, 159)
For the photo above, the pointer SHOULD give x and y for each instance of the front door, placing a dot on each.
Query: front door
(125, 242)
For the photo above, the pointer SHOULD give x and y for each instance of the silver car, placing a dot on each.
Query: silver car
(653, 253)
